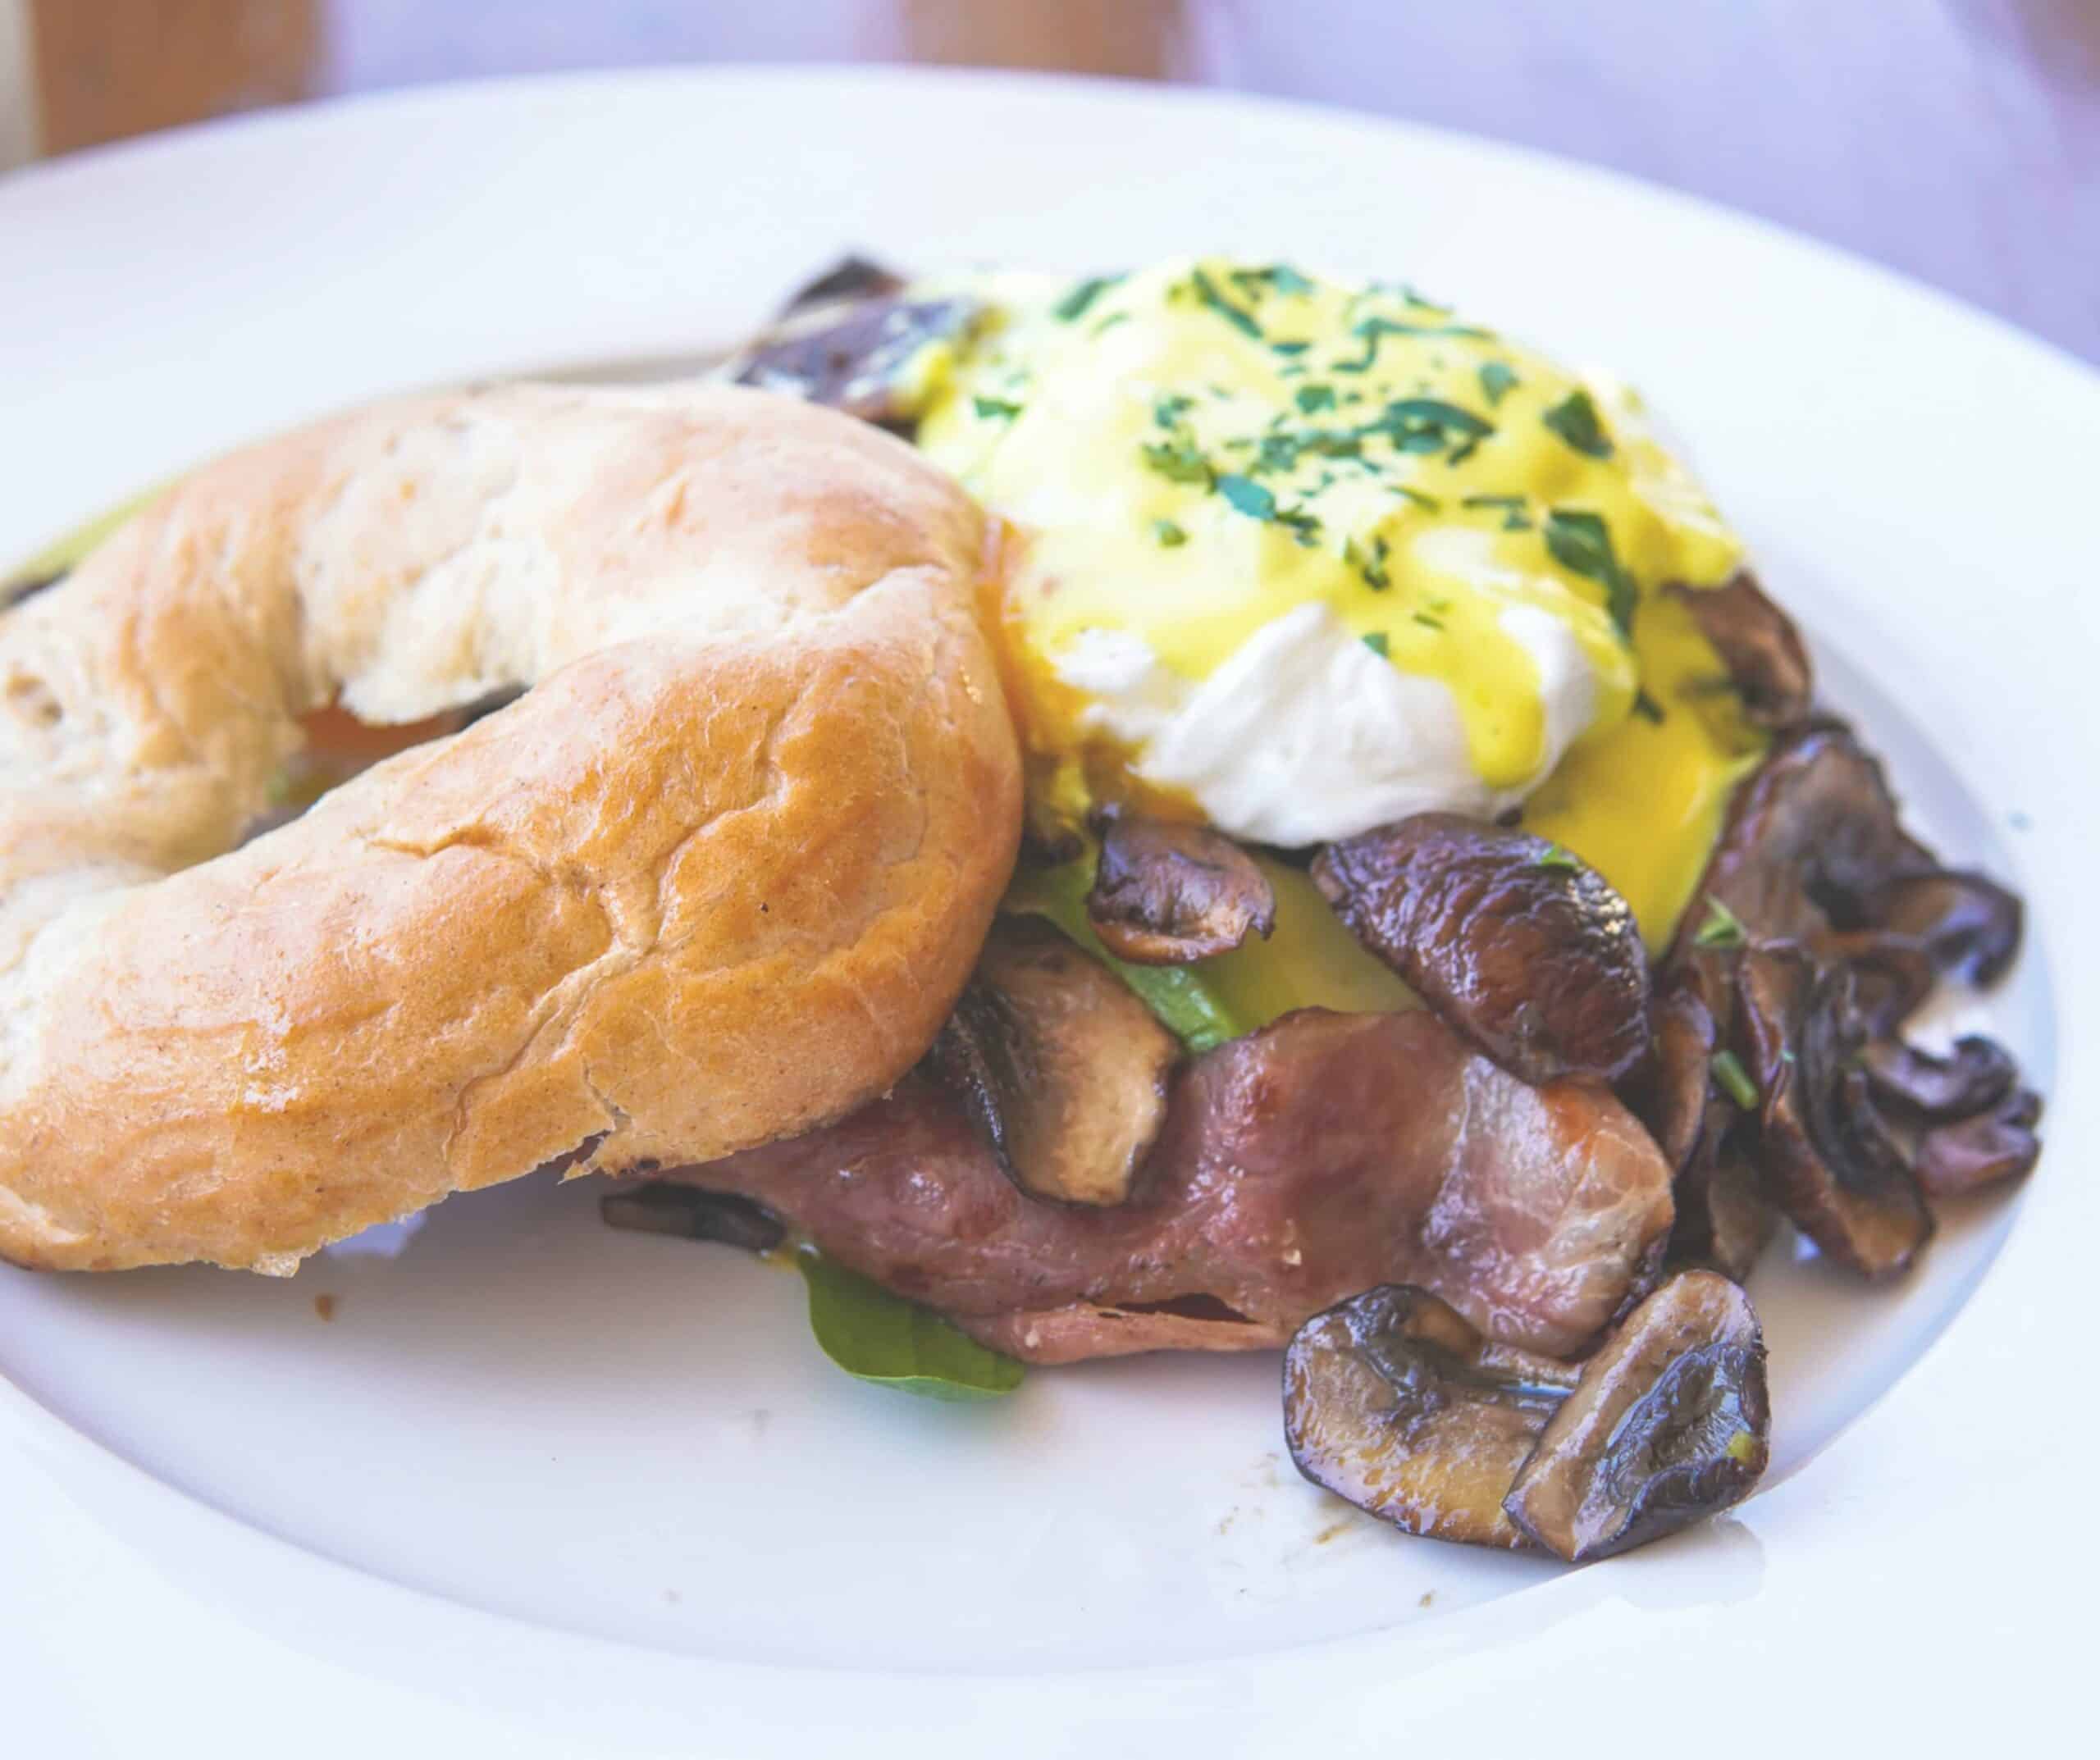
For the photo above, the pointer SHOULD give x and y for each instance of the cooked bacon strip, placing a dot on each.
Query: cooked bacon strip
(1322, 1156)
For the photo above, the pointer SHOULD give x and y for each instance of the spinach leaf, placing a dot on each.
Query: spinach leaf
(875, 1335)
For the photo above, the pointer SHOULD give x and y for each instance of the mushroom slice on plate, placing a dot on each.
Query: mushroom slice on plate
(1393, 1402)
(1521, 947)
(692, 1215)
(1059, 1064)
(857, 355)
(1724, 1220)
(1974, 1076)
(1758, 643)
(851, 277)
(1825, 1151)
(1994, 1145)
(1165, 894)
(1670, 1422)
(1969, 924)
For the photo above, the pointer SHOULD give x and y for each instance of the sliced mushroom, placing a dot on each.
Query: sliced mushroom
(1762, 650)
(1995, 1145)
(1973, 1078)
(856, 355)
(1967, 925)
(851, 277)
(1823, 1149)
(1515, 943)
(1669, 1092)
(692, 1215)
(1670, 1422)
(1724, 1221)
(1165, 894)
(1396, 1404)
(1061, 1066)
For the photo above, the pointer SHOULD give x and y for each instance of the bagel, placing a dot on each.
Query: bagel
(716, 877)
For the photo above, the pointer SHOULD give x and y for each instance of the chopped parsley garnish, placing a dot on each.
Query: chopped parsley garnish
(1580, 543)
(1314, 398)
(1288, 347)
(1427, 621)
(1514, 516)
(1207, 291)
(1496, 378)
(1280, 275)
(1179, 462)
(1375, 330)
(1376, 641)
(1427, 504)
(1305, 526)
(1648, 708)
(1170, 535)
(1169, 408)
(1556, 857)
(1722, 930)
(1248, 496)
(1110, 322)
(1370, 564)
(1574, 419)
(1429, 424)
(1074, 304)
(1734, 1081)
(989, 407)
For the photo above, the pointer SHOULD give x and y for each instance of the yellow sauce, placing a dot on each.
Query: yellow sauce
(1192, 451)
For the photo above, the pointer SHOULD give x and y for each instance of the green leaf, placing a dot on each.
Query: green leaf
(1376, 642)
(1734, 1081)
(989, 407)
(875, 1335)
(1557, 857)
(1580, 543)
(1314, 398)
(1170, 535)
(1178, 461)
(1497, 378)
(1074, 304)
(1574, 419)
(1248, 496)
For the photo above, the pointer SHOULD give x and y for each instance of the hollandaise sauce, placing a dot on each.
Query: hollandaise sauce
(1299, 556)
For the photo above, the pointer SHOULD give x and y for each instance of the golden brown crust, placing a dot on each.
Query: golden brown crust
(717, 877)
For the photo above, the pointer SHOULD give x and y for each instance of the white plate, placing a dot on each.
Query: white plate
(540, 1485)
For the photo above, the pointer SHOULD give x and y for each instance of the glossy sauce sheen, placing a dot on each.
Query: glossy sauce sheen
(1195, 452)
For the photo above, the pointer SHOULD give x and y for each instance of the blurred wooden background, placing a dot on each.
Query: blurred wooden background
(1958, 140)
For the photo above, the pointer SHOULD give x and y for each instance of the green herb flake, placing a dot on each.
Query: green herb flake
(1734, 1081)
(1376, 642)
(1648, 708)
(1574, 418)
(1556, 856)
(1288, 348)
(1074, 305)
(1169, 408)
(1314, 398)
(1369, 562)
(1207, 291)
(1497, 379)
(1248, 496)
(991, 407)
(1179, 462)
(1109, 323)
(1427, 621)
(1427, 504)
(1170, 535)
(880, 1338)
(1580, 543)
(1722, 931)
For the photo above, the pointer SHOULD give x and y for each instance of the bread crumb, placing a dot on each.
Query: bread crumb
(324, 1307)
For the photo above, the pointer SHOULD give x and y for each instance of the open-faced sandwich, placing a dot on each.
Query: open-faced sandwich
(1258, 815)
